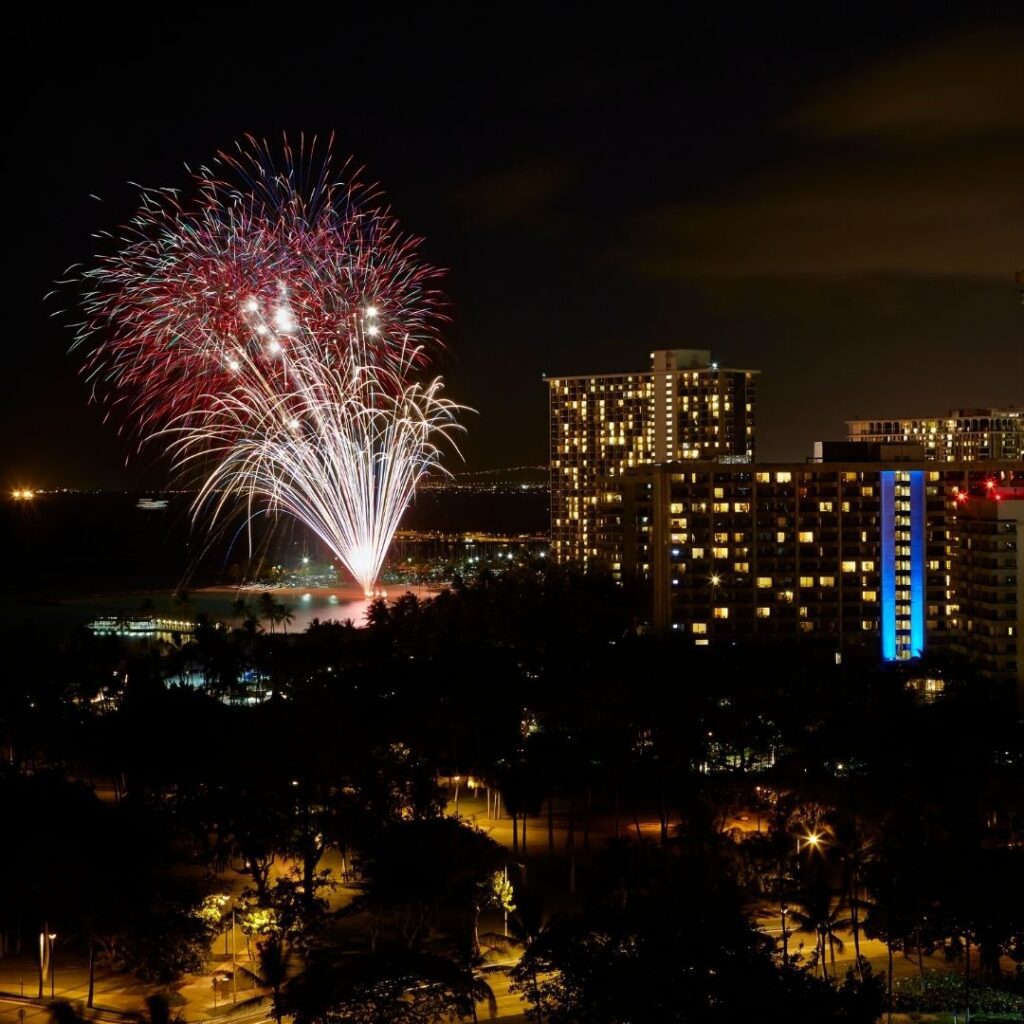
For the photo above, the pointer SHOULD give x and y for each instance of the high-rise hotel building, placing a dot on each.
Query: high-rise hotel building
(962, 435)
(686, 407)
(861, 551)
(988, 579)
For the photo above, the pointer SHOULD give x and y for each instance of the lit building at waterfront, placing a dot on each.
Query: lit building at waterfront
(962, 435)
(988, 580)
(686, 407)
(856, 551)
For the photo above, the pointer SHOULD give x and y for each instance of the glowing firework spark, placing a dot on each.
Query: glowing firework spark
(270, 330)
(342, 451)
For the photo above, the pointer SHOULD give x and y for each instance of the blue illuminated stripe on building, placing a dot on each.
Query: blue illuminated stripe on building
(917, 591)
(914, 595)
(888, 566)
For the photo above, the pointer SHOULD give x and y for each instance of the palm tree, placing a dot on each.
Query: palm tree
(819, 910)
(272, 971)
(856, 849)
(283, 614)
(268, 609)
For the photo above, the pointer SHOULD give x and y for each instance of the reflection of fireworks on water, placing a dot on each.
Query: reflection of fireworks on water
(271, 330)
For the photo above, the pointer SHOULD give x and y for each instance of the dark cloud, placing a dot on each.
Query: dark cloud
(511, 195)
(961, 85)
(913, 165)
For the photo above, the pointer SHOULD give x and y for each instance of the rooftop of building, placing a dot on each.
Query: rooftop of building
(1011, 411)
(663, 360)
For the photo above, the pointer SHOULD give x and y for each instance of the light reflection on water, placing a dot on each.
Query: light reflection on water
(326, 604)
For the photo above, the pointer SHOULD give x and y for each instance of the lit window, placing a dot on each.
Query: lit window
(698, 552)
(719, 552)
(827, 581)
(806, 581)
(741, 506)
(699, 627)
(721, 613)
(824, 506)
(780, 538)
(869, 595)
(764, 581)
(867, 566)
(719, 492)
(763, 613)
(806, 536)
(783, 478)
(763, 478)
(849, 566)
(721, 506)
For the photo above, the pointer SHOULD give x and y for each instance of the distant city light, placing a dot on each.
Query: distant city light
(23, 494)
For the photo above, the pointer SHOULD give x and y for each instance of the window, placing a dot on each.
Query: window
(721, 506)
(803, 611)
(806, 581)
(780, 538)
(676, 508)
(762, 478)
(741, 566)
(827, 581)
(741, 506)
(867, 624)
(719, 552)
(869, 595)
(867, 491)
(783, 478)
(764, 581)
(699, 627)
(849, 566)
(824, 506)
(721, 613)
(698, 552)
(763, 613)
(867, 566)
(719, 492)
(806, 536)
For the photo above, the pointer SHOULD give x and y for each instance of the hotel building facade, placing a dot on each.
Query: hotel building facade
(988, 580)
(861, 552)
(686, 407)
(962, 435)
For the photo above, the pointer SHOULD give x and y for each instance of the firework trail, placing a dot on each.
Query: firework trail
(271, 330)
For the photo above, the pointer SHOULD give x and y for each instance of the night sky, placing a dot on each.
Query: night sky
(836, 198)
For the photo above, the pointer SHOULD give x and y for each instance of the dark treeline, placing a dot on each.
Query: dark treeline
(683, 794)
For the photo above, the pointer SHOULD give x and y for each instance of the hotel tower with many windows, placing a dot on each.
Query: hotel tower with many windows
(877, 551)
(686, 407)
(962, 435)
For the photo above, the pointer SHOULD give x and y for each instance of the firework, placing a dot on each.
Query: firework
(271, 329)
